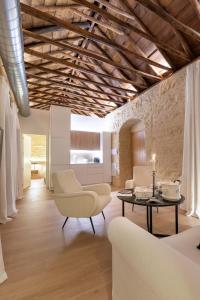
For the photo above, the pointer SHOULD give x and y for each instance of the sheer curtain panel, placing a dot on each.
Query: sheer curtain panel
(191, 148)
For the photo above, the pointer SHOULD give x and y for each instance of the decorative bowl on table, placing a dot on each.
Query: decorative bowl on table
(143, 192)
(171, 191)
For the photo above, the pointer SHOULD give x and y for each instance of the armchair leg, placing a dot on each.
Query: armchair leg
(65, 222)
(103, 215)
(92, 224)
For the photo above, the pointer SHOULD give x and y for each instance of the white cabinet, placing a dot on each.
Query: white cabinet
(89, 173)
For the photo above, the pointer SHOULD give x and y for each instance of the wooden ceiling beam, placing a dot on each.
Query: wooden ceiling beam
(40, 44)
(88, 53)
(63, 44)
(89, 35)
(139, 73)
(128, 61)
(73, 104)
(56, 28)
(159, 11)
(116, 9)
(66, 85)
(58, 7)
(183, 42)
(72, 58)
(49, 88)
(74, 109)
(100, 106)
(125, 4)
(96, 21)
(74, 66)
(131, 67)
(59, 73)
(136, 86)
(131, 27)
(196, 6)
(68, 102)
(68, 94)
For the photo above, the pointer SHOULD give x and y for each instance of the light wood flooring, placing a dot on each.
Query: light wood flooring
(45, 263)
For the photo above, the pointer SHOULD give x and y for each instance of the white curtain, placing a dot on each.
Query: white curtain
(3, 275)
(11, 168)
(11, 164)
(191, 149)
(4, 99)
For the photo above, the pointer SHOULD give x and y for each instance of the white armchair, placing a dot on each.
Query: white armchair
(145, 267)
(142, 176)
(76, 201)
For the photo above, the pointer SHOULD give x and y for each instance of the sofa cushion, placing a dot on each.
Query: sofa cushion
(186, 242)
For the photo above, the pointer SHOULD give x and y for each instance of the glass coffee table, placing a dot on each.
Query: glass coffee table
(149, 208)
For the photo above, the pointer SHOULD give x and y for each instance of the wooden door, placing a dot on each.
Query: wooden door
(138, 148)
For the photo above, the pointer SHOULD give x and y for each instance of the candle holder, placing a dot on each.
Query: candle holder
(154, 182)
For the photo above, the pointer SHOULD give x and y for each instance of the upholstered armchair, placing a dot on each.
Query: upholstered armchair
(142, 176)
(145, 267)
(76, 201)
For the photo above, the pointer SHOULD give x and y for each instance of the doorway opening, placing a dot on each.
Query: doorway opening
(132, 148)
(35, 158)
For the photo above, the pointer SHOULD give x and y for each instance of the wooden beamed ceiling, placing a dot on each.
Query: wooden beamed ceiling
(94, 56)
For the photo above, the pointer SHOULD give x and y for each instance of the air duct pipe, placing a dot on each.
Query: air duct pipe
(11, 52)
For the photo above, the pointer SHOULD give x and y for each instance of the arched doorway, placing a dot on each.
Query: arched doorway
(132, 148)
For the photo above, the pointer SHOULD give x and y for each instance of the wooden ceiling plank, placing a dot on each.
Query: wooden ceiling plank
(42, 15)
(179, 36)
(56, 28)
(116, 9)
(68, 104)
(196, 6)
(125, 4)
(66, 85)
(59, 73)
(71, 57)
(43, 96)
(60, 100)
(100, 23)
(131, 27)
(140, 73)
(85, 52)
(159, 11)
(36, 44)
(67, 94)
(145, 80)
(74, 66)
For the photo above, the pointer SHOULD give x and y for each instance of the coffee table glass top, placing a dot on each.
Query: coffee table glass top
(144, 202)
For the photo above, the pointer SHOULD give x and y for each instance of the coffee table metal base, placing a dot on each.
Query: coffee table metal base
(149, 219)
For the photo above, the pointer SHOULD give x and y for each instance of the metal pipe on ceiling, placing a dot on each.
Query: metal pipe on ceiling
(12, 53)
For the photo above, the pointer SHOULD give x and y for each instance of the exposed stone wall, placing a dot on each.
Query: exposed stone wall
(161, 108)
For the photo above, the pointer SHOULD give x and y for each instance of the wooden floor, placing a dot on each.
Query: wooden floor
(45, 263)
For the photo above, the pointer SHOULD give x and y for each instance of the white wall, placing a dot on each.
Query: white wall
(59, 157)
(87, 123)
(56, 125)
(36, 123)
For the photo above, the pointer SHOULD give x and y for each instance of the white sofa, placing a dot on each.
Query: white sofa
(147, 268)
(142, 176)
(3, 275)
(76, 201)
